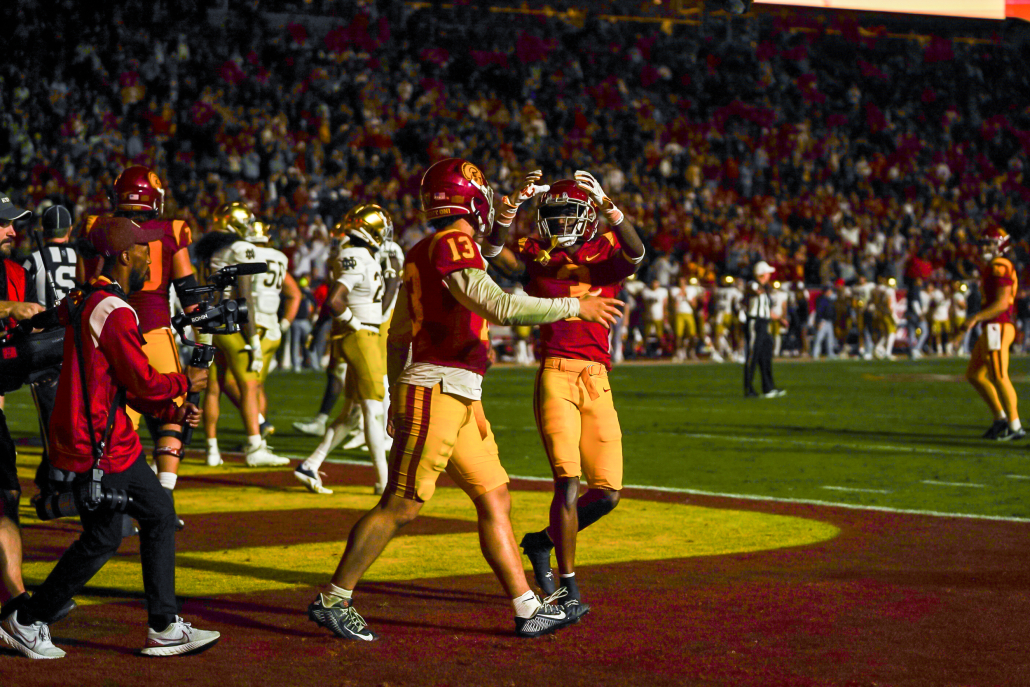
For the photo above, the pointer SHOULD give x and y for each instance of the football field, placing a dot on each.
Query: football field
(900, 435)
(803, 540)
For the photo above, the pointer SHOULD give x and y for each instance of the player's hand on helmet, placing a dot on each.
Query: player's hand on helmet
(530, 188)
(188, 414)
(594, 308)
(586, 182)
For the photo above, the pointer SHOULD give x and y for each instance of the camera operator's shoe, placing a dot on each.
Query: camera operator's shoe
(537, 547)
(310, 479)
(261, 457)
(32, 640)
(313, 427)
(179, 639)
(341, 619)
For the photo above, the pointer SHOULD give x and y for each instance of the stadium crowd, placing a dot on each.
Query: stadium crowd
(840, 154)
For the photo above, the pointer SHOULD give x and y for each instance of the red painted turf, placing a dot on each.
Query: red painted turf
(894, 600)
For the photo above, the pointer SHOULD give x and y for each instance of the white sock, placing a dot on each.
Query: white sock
(563, 575)
(212, 445)
(526, 605)
(261, 419)
(374, 438)
(1000, 416)
(333, 595)
(253, 441)
(167, 479)
(1015, 426)
(322, 418)
(332, 438)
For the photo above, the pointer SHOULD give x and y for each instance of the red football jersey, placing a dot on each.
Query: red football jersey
(998, 276)
(151, 302)
(599, 264)
(444, 332)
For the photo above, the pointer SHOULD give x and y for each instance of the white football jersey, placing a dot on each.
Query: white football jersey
(682, 297)
(362, 274)
(958, 305)
(264, 289)
(779, 298)
(941, 306)
(391, 250)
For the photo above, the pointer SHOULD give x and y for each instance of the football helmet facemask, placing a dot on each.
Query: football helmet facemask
(368, 223)
(138, 189)
(566, 214)
(454, 187)
(993, 243)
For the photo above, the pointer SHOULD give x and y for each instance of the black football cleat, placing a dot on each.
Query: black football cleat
(342, 621)
(996, 429)
(574, 608)
(1008, 434)
(537, 547)
(547, 619)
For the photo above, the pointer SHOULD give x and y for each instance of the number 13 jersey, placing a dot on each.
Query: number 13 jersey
(599, 265)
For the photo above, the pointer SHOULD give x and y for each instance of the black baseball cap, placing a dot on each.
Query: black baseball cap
(9, 211)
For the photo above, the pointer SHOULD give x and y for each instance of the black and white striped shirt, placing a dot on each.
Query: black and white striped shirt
(759, 304)
(63, 259)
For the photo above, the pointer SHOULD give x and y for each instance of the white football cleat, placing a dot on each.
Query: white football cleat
(310, 479)
(313, 427)
(261, 456)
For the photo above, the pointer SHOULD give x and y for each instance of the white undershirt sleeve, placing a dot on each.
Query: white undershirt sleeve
(475, 290)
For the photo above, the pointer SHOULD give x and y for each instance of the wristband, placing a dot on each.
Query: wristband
(614, 215)
(346, 317)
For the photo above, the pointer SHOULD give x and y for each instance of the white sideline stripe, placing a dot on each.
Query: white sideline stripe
(867, 491)
(756, 497)
(1018, 476)
(953, 484)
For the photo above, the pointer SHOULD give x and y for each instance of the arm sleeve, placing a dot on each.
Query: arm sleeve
(475, 290)
(147, 390)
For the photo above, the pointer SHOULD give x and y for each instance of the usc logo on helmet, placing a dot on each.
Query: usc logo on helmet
(472, 173)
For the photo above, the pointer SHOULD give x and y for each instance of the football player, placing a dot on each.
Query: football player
(685, 303)
(575, 414)
(988, 369)
(885, 318)
(356, 301)
(442, 322)
(249, 353)
(139, 195)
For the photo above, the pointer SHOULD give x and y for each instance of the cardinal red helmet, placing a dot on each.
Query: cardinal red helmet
(566, 213)
(139, 189)
(993, 242)
(456, 187)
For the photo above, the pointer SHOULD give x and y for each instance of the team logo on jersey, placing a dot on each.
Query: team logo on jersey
(349, 263)
(472, 173)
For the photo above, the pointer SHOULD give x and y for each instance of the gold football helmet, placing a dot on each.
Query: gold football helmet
(238, 219)
(368, 223)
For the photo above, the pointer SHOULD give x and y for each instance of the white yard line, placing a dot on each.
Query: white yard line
(866, 491)
(1018, 476)
(828, 445)
(755, 497)
(935, 483)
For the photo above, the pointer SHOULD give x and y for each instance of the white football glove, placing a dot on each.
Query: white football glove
(529, 190)
(284, 325)
(256, 358)
(586, 182)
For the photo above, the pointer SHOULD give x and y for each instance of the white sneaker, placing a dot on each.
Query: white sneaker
(314, 427)
(716, 357)
(260, 457)
(178, 639)
(214, 458)
(310, 479)
(32, 640)
(356, 440)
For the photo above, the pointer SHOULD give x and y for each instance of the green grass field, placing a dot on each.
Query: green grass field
(901, 435)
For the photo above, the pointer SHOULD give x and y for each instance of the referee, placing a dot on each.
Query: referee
(56, 224)
(759, 340)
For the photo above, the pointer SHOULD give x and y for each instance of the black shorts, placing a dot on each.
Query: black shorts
(8, 458)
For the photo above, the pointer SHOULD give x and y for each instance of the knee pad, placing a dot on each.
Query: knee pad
(9, 505)
(174, 433)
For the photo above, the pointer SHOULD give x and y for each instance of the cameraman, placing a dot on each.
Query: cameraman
(14, 291)
(113, 364)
